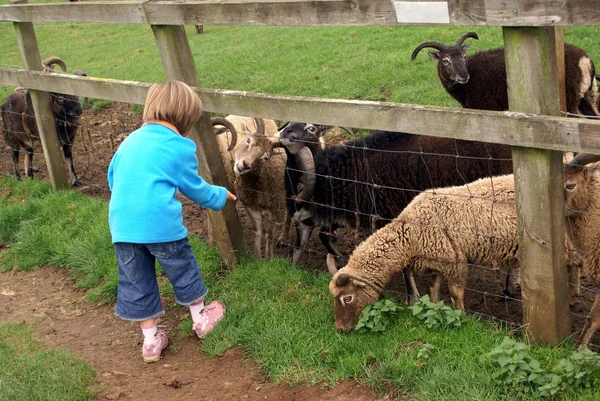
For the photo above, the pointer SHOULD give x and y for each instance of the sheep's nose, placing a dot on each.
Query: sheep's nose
(463, 77)
(242, 166)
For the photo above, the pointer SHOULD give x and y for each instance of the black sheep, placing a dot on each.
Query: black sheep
(20, 127)
(478, 81)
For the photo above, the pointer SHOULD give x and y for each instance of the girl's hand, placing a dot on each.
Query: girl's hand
(231, 196)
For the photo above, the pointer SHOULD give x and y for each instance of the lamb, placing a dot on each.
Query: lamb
(483, 85)
(443, 230)
(259, 186)
(20, 128)
(228, 129)
(582, 196)
(345, 185)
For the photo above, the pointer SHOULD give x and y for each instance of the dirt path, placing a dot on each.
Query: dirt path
(46, 299)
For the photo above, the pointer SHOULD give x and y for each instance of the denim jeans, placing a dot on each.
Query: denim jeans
(138, 297)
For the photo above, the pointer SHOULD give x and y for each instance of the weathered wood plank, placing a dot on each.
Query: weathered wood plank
(306, 13)
(40, 100)
(177, 59)
(532, 76)
(517, 129)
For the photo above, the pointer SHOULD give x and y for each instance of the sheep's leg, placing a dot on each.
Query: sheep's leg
(303, 232)
(457, 293)
(412, 293)
(574, 282)
(29, 161)
(269, 239)
(15, 160)
(284, 237)
(434, 287)
(256, 217)
(325, 237)
(67, 151)
(591, 325)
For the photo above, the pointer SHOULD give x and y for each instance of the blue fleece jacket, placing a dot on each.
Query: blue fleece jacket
(144, 174)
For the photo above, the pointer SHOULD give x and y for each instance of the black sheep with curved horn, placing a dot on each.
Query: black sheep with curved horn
(478, 81)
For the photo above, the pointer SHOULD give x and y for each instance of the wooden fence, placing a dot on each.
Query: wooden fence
(532, 32)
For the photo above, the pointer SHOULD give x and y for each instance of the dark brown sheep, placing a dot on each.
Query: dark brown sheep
(478, 81)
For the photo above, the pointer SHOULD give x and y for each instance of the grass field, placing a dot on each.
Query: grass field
(280, 314)
(369, 63)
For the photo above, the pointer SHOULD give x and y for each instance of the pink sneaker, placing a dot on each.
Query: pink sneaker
(209, 317)
(152, 352)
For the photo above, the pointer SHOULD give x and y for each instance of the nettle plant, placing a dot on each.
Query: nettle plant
(523, 374)
(376, 317)
(437, 315)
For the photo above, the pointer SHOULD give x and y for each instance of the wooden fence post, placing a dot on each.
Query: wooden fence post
(179, 65)
(532, 75)
(30, 54)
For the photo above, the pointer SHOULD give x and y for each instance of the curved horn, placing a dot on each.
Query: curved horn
(260, 126)
(348, 130)
(467, 35)
(50, 61)
(434, 44)
(226, 123)
(331, 266)
(306, 163)
(579, 161)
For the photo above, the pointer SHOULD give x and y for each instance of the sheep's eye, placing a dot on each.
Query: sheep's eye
(348, 299)
(446, 62)
(311, 129)
(248, 141)
(570, 187)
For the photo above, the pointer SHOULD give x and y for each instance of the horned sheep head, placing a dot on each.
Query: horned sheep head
(578, 175)
(452, 59)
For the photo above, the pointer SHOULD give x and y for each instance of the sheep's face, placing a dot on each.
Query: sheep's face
(350, 296)
(452, 63)
(251, 153)
(294, 136)
(576, 184)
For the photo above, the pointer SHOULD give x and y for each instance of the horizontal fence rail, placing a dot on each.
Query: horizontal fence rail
(313, 13)
(508, 128)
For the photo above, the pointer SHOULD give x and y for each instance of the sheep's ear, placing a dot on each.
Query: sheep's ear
(588, 171)
(434, 55)
(466, 45)
(342, 280)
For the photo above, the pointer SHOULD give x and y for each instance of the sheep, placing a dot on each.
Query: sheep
(582, 198)
(443, 230)
(228, 129)
(478, 81)
(597, 77)
(344, 185)
(259, 186)
(20, 128)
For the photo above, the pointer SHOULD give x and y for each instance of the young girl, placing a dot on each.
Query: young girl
(151, 165)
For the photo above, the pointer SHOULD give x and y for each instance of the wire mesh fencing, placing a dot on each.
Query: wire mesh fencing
(359, 187)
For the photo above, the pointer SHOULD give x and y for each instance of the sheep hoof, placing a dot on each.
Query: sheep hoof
(76, 183)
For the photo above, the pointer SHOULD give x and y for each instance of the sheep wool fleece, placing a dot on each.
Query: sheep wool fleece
(144, 174)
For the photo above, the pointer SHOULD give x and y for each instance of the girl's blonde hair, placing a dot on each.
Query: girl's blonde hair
(174, 102)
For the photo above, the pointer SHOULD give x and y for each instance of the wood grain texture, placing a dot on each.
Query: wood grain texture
(305, 13)
(533, 87)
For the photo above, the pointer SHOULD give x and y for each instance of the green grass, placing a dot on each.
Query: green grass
(32, 372)
(369, 63)
(280, 314)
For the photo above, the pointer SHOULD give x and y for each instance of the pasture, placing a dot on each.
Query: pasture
(280, 314)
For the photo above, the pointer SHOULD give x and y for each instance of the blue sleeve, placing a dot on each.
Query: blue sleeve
(198, 190)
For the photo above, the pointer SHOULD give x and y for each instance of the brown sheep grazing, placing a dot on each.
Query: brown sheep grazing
(442, 230)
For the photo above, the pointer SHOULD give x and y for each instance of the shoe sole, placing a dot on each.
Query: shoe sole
(151, 359)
